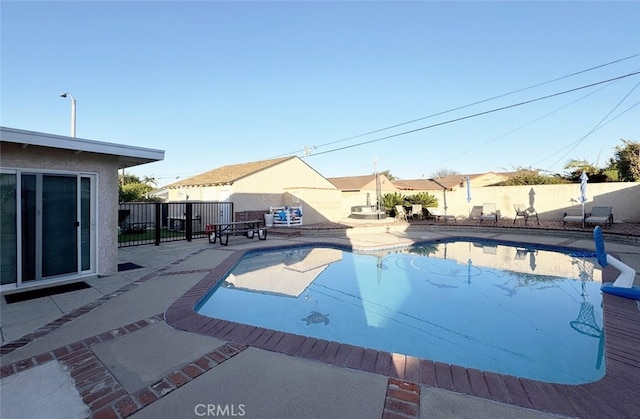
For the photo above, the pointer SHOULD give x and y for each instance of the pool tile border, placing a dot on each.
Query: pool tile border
(615, 395)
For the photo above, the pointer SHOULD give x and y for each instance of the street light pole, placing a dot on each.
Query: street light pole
(73, 112)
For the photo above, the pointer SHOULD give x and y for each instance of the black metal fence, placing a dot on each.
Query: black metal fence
(156, 222)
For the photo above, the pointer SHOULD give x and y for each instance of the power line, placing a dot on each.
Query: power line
(522, 126)
(474, 115)
(596, 127)
(306, 149)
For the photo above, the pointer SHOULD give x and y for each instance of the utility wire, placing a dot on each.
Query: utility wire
(307, 150)
(523, 126)
(597, 126)
(474, 115)
(601, 126)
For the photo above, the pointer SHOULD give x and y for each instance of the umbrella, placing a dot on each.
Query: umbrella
(583, 192)
(469, 194)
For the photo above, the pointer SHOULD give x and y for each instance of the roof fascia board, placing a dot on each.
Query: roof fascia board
(14, 135)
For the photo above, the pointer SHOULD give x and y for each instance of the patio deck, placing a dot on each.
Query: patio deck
(256, 364)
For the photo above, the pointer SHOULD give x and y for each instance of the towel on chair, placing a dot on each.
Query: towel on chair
(298, 212)
(282, 215)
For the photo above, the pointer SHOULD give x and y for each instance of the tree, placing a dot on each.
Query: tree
(131, 189)
(627, 159)
(388, 175)
(134, 192)
(424, 198)
(579, 166)
(444, 173)
(390, 201)
(531, 177)
(150, 180)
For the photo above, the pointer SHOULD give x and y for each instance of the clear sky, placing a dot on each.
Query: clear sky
(215, 83)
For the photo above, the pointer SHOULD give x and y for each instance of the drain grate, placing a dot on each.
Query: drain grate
(45, 292)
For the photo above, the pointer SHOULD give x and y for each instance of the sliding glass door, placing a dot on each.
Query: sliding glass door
(55, 217)
(8, 228)
(59, 225)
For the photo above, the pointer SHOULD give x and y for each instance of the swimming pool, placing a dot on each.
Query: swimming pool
(526, 311)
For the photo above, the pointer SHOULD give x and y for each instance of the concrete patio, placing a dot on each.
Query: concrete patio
(116, 349)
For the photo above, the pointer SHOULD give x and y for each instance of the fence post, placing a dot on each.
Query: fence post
(157, 223)
(189, 221)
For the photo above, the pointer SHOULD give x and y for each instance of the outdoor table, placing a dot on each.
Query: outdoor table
(249, 227)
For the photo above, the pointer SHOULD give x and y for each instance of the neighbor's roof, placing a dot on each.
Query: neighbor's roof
(449, 182)
(226, 175)
(419, 185)
(358, 183)
(348, 183)
(128, 155)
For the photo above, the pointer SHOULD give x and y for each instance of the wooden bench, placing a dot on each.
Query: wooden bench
(250, 228)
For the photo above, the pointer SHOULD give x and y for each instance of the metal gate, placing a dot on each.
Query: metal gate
(155, 222)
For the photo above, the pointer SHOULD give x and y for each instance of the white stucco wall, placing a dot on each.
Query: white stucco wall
(550, 201)
(104, 166)
(319, 205)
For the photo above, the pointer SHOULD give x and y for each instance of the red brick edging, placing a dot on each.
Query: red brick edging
(402, 400)
(100, 390)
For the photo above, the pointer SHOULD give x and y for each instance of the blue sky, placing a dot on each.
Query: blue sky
(217, 83)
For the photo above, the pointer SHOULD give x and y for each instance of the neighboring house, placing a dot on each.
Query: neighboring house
(254, 187)
(451, 183)
(59, 206)
(361, 190)
(160, 193)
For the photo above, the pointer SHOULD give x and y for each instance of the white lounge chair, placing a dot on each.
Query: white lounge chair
(573, 216)
(439, 214)
(416, 211)
(401, 215)
(489, 213)
(525, 212)
(600, 215)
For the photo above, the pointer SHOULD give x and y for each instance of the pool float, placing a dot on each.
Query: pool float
(623, 285)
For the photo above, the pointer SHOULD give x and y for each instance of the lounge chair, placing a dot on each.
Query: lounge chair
(525, 212)
(401, 215)
(438, 214)
(416, 211)
(573, 216)
(600, 215)
(489, 213)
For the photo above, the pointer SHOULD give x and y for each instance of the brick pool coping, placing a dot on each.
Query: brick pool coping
(615, 395)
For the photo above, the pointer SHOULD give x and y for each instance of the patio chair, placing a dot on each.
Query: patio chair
(416, 211)
(523, 211)
(489, 213)
(438, 214)
(401, 215)
(573, 216)
(600, 215)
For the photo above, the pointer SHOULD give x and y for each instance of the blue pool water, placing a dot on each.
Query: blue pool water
(522, 311)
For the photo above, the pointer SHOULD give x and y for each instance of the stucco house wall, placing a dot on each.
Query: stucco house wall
(272, 183)
(320, 205)
(40, 168)
(106, 168)
(289, 182)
